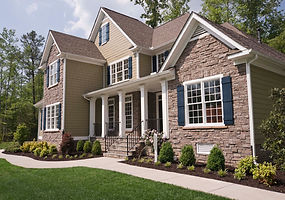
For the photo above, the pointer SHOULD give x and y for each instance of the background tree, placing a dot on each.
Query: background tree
(175, 9)
(278, 42)
(152, 11)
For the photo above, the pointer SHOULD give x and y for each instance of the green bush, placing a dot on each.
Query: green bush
(54, 156)
(96, 148)
(167, 164)
(180, 166)
(187, 157)
(52, 150)
(141, 160)
(22, 134)
(44, 152)
(157, 163)
(76, 156)
(67, 156)
(79, 146)
(90, 155)
(38, 151)
(13, 148)
(60, 157)
(206, 170)
(191, 168)
(244, 167)
(83, 155)
(87, 147)
(216, 160)
(222, 173)
(134, 160)
(265, 173)
(166, 153)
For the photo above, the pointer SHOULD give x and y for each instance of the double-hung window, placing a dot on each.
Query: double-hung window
(52, 116)
(203, 102)
(104, 34)
(53, 74)
(129, 111)
(160, 60)
(120, 71)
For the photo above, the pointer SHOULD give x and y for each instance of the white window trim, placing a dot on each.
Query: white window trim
(114, 113)
(132, 103)
(123, 71)
(49, 74)
(50, 105)
(156, 60)
(104, 24)
(204, 124)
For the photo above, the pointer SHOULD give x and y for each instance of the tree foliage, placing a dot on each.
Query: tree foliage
(273, 128)
(175, 8)
(278, 42)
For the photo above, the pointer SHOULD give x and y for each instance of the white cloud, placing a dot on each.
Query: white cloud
(31, 8)
(123, 1)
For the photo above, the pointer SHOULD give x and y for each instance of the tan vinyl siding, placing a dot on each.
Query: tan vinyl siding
(80, 79)
(145, 65)
(117, 48)
(262, 83)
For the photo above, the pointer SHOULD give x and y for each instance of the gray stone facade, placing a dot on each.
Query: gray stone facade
(203, 58)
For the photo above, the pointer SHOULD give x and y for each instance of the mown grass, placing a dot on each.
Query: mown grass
(85, 183)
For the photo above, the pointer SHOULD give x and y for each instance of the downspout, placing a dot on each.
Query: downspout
(250, 104)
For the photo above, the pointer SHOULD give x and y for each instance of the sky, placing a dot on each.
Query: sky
(74, 17)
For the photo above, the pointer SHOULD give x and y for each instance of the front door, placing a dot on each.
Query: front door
(159, 112)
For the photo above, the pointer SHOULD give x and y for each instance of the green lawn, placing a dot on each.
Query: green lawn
(84, 183)
(3, 145)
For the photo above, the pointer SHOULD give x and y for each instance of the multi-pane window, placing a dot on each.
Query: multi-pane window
(204, 102)
(120, 71)
(53, 74)
(104, 34)
(111, 111)
(52, 116)
(129, 112)
(160, 60)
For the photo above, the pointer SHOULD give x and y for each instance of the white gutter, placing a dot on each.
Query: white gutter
(250, 103)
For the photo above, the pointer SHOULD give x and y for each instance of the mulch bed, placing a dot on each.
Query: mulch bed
(248, 181)
(49, 158)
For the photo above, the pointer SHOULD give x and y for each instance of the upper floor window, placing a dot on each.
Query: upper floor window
(120, 71)
(53, 73)
(104, 34)
(52, 116)
(158, 60)
(204, 102)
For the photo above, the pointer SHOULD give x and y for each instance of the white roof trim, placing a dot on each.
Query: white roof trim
(84, 59)
(186, 33)
(96, 27)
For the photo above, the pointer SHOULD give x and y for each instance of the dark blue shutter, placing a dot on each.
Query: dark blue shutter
(227, 100)
(180, 105)
(58, 70)
(108, 75)
(45, 114)
(130, 67)
(100, 36)
(107, 31)
(47, 72)
(166, 53)
(154, 68)
(59, 117)
(41, 128)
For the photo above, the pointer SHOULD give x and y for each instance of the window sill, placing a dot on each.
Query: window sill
(51, 130)
(51, 86)
(204, 127)
(119, 82)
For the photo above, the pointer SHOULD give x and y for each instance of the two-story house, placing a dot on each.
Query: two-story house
(198, 82)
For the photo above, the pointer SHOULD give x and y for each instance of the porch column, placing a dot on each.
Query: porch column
(164, 89)
(92, 116)
(104, 114)
(144, 109)
(122, 118)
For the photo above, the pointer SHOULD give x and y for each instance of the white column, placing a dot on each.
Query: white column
(138, 64)
(92, 116)
(104, 114)
(144, 109)
(164, 89)
(122, 118)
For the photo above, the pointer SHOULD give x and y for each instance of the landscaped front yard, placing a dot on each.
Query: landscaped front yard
(84, 183)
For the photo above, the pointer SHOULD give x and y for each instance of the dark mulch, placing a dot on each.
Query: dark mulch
(49, 158)
(248, 181)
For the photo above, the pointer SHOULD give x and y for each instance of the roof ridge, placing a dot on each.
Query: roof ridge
(171, 20)
(69, 35)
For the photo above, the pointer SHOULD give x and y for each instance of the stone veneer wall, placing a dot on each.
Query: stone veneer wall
(203, 58)
(53, 95)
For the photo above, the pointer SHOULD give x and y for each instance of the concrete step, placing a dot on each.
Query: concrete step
(115, 155)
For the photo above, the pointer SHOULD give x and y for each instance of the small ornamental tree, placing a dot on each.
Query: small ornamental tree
(22, 134)
(187, 157)
(273, 128)
(166, 153)
(67, 144)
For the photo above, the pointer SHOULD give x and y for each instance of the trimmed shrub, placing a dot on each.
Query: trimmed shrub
(44, 152)
(79, 146)
(87, 147)
(13, 148)
(187, 157)
(52, 150)
(216, 159)
(245, 167)
(166, 153)
(38, 151)
(96, 148)
(22, 134)
(265, 173)
(67, 144)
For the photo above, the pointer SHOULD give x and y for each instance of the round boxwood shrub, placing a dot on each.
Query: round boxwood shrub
(216, 159)
(187, 157)
(166, 153)
(80, 145)
(87, 147)
(96, 148)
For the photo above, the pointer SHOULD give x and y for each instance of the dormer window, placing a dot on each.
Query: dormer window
(104, 34)
(158, 60)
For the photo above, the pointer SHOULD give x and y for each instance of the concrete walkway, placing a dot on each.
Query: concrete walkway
(230, 190)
